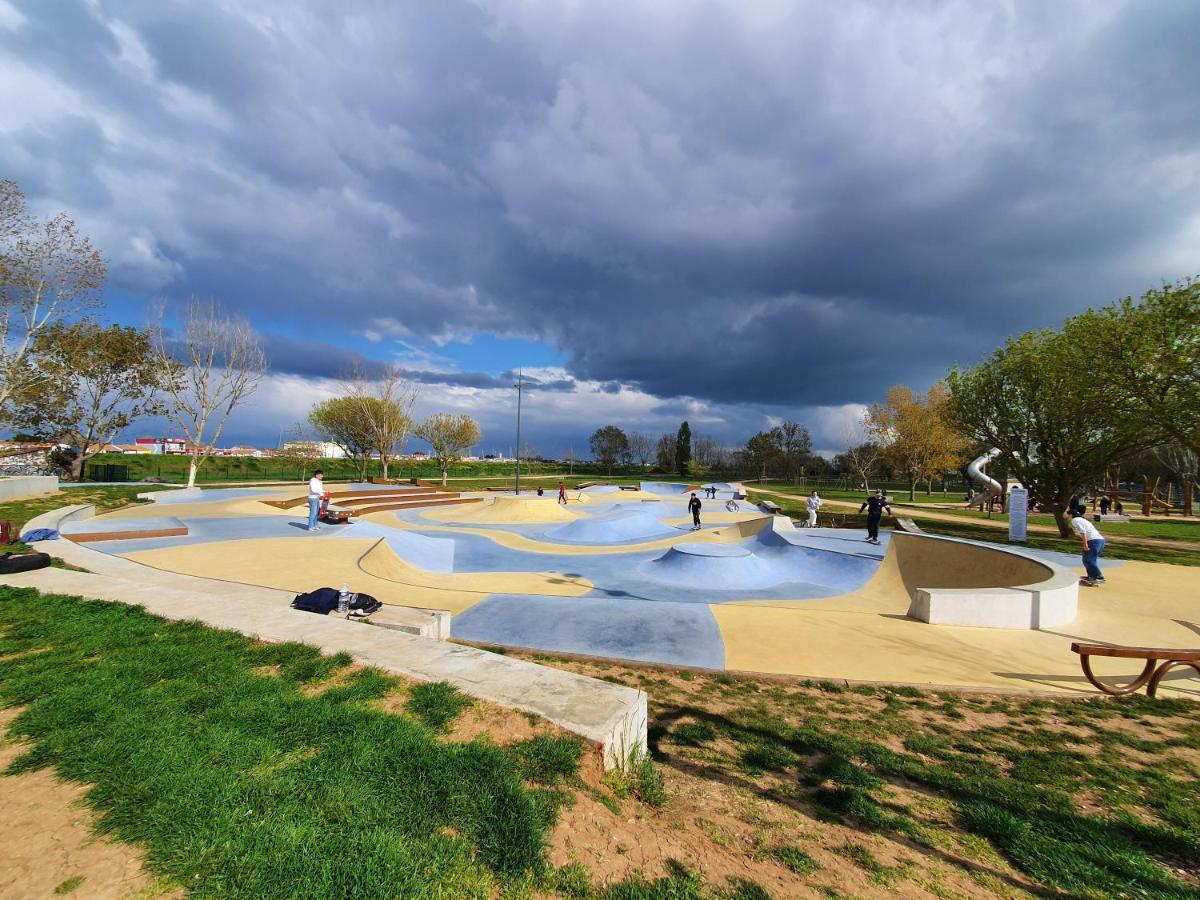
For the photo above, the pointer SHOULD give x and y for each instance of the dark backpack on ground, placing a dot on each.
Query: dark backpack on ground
(325, 601)
(25, 562)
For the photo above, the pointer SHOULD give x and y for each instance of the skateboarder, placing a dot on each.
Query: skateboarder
(813, 502)
(316, 493)
(875, 507)
(1093, 546)
(694, 509)
(562, 493)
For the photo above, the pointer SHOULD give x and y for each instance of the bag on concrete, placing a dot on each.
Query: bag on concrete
(322, 601)
(40, 534)
(23, 562)
(325, 600)
(363, 604)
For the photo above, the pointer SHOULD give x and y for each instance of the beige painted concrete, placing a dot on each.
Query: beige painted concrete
(504, 510)
(867, 636)
(302, 564)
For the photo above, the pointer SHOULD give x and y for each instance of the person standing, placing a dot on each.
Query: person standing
(694, 509)
(1105, 503)
(562, 493)
(1093, 546)
(813, 503)
(316, 493)
(875, 507)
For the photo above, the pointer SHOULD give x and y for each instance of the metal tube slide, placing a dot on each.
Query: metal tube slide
(976, 474)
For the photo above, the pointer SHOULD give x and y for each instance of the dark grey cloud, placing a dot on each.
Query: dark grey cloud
(762, 206)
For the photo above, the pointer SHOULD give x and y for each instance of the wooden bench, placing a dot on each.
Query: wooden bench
(1152, 672)
(337, 515)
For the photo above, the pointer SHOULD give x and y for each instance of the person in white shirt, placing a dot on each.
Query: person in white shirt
(813, 502)
(316, 492)
(1093, 546)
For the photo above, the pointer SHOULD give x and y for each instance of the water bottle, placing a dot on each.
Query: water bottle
(344, 601)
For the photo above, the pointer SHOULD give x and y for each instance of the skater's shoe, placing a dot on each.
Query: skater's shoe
(1087, 582)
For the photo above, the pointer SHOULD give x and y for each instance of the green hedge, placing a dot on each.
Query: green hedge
(173, 469)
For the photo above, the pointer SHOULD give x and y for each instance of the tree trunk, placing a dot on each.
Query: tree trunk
(383, 459)
(193, 468)
(445, 463)
(1060, 519)
(912, 490)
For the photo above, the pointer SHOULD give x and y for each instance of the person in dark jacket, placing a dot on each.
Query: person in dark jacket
(875, 507)
(694, 509)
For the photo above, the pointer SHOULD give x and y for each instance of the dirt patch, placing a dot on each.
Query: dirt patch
(47, 840)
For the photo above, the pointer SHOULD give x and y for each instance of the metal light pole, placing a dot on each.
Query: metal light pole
(519, 386)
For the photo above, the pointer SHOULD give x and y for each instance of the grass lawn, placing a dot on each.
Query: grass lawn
(869, 790)
(251, 770)
(268, 770)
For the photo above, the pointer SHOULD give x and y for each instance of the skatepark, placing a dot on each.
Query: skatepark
(620, 573)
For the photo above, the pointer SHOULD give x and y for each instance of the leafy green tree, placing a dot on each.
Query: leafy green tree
(1151, 350)
(1057, 420)
(609, 446)
(340, 421)
(450, 435)
(95, 382)
(763, 450)
(683, 449)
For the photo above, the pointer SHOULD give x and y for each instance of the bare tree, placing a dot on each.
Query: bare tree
(861, 457)
(48, 272)
(217, 364)
(386, 410)
(664, 453)
(641, 447)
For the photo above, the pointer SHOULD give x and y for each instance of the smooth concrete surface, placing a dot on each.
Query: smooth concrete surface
(92, 530)
(14, 487)
(843, 616)
(956, 582)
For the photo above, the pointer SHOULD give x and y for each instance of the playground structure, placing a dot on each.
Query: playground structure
(991, 494)
(1153, 498)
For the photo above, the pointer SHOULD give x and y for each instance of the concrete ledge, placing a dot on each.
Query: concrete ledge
(952, 581)
(407, 643)
(14, 487)
(84, 531)
(57, 518)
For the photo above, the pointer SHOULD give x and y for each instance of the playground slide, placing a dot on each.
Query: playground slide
(976, 474)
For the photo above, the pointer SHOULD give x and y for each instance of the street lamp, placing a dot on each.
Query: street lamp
(519, 386)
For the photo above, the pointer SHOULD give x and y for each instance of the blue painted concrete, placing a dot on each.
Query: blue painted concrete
(208, 495)
(615, 526)
(683, 634)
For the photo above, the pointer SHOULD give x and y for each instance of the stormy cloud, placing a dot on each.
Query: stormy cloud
(749, 211)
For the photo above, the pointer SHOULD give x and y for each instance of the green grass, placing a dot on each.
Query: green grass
(241, 783)
(1071, 820)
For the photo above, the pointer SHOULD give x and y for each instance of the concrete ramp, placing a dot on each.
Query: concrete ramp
(428, 553)
(613, 527)
(505, 510)
(666, 487)
(716, 567)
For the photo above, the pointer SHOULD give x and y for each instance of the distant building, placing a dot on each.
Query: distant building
(161, 445)
(315, 449)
